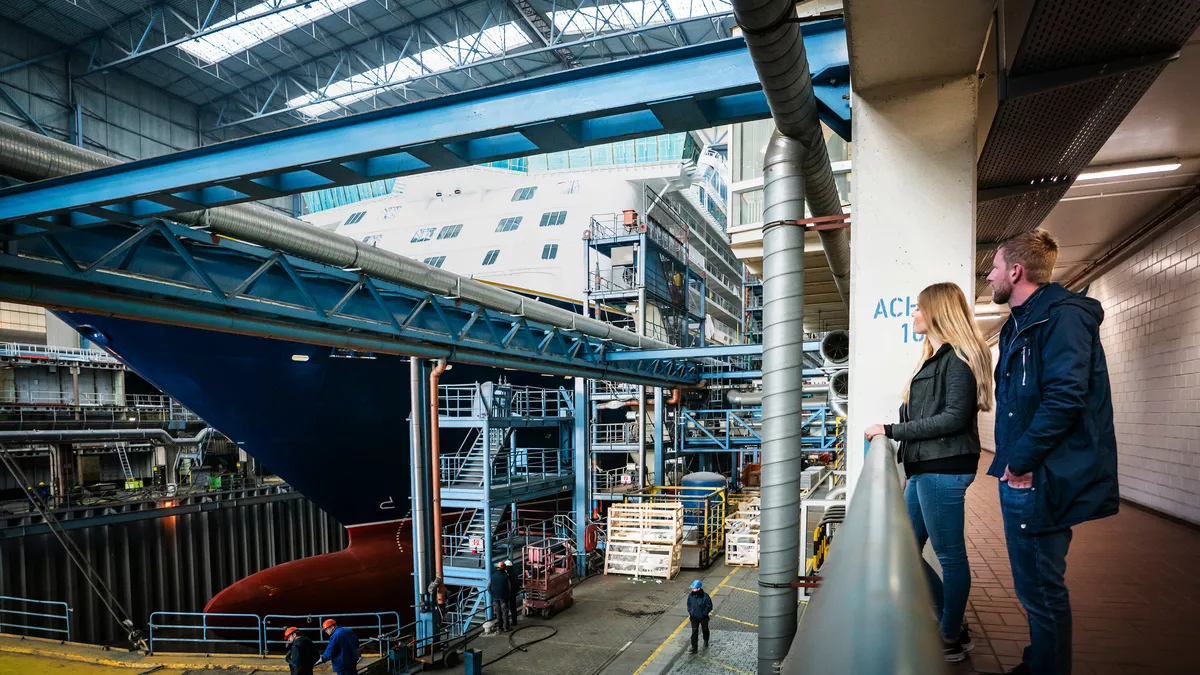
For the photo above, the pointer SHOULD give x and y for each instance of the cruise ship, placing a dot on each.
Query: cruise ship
(334, 424)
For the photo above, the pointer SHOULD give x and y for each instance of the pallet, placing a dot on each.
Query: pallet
(741, 548)
(642, 560)
(646, 523)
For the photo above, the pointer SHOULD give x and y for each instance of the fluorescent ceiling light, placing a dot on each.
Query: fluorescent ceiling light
(222, 44)
(1135, 169)
(988, 315)
(460, 52)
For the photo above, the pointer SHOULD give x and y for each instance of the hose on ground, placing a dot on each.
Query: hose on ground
(524, 646)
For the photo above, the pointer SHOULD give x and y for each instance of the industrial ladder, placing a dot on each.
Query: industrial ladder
(123, 456)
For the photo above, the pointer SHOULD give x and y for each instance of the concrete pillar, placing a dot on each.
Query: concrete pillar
(913, 225)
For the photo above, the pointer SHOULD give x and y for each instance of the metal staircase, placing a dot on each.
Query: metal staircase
(478, 529)
(471, 471)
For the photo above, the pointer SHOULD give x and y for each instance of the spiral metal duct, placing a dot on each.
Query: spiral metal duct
(31, 157)
(777, 49)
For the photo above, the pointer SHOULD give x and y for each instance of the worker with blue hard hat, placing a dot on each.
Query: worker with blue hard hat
(699, 606)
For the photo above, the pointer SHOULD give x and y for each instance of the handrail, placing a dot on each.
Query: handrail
(35, 612)
(874, 586)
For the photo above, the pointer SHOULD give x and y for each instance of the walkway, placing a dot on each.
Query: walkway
(1135, 592)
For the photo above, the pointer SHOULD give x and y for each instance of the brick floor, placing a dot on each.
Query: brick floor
(1135, 592)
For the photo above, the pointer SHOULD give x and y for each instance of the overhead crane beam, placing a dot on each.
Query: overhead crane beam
(678, 90)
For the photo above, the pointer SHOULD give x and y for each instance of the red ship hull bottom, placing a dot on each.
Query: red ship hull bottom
(372, 574)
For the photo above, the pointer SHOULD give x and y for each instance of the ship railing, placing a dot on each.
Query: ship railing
(606, 389)
(539, 402)
(620, 278)
(35, 618)
(616, 433)
(528, 466)
(219, 633)
(457, 400)
(371, 628)
(612, 480)
(19, 350)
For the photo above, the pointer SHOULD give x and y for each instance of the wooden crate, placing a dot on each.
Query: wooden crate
(646, 523)
(741, 548)
(642, 560)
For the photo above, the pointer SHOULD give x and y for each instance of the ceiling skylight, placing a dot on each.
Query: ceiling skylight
(460, 52)
(632, 14)
(223, 44)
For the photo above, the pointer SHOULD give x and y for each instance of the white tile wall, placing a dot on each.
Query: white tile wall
(1151, 336)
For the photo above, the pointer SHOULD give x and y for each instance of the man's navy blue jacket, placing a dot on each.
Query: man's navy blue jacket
(1054, 414)
(698, 604)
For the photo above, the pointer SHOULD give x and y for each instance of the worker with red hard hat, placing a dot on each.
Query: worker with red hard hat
(302, 654)
(342, 651)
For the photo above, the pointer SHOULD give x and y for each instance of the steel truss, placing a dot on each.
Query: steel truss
(169, 273)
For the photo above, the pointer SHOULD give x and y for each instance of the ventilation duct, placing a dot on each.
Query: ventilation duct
(839, 393)
(777, 48)
(835, 348)
(30, 157)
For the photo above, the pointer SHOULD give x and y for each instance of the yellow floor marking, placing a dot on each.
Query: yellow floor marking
(739, 588)
(744, 623)
(726, 666)
(654, 654)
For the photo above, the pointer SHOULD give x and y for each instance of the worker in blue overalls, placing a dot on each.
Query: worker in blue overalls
(342, 651)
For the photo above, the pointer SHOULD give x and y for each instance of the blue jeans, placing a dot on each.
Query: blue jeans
(935, 507)
(1039, 564)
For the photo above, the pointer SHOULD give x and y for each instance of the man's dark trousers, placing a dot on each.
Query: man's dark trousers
(699, 624)
(1039, 565)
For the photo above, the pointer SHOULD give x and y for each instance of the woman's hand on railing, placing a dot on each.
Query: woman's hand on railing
(874, 430)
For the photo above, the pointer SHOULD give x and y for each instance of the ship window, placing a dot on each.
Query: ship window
(390, 212)
(423, 234)
(355, 217)
(435, 261)
(450, 231)
(568, 187)
(372, 239)
(509, 224)
(524, 194)
(491, 256)
(553, 219)
(549, 251)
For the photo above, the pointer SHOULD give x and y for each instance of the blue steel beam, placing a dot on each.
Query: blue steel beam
(712, 351)
(677, 90)
(173, 274)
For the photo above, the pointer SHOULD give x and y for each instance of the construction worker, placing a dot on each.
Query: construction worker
(302, 654)
(342, 651)
(498, 586)
(514, 589)
(699, 606)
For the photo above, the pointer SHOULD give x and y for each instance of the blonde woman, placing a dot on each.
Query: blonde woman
(939, 445)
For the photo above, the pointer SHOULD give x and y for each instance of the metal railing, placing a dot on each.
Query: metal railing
(606, 389)
(463, 401)
(36, 618)
(722, 428)
(616, 433)
(874, 585)
(252, 634)
(19, 350)
(371, 628)
(220, 633)
(528, 466)
(612, 480)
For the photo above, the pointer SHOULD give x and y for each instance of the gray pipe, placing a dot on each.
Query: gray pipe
(872, 585)
(30, 157)
(83, 435)
(783, 370)
(782, 65)
(419, 472)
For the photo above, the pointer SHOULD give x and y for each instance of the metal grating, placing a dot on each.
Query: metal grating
(1065, 34)
(1051, 136)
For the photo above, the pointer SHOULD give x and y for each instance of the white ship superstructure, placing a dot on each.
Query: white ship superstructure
(525, 228)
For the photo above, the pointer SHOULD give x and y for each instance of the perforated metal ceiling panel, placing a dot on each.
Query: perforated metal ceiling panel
(1047, 138)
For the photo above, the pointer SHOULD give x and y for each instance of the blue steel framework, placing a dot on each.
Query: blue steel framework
(678, 90)
(169, 273)
(493, 491)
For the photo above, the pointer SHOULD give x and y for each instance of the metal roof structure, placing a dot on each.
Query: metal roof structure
(261, 65)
